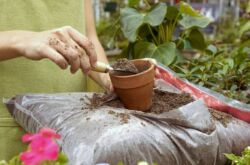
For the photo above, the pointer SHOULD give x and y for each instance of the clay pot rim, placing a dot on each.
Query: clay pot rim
(138, 74)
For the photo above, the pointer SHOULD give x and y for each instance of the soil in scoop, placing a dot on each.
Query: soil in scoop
(125, 65)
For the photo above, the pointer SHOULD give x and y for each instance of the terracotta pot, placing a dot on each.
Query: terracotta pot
(135, 91)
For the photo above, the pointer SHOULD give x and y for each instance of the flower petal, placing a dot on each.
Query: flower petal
(50, 133)
(51, 151)
(27, 137)
(39, 143)
(30, 158)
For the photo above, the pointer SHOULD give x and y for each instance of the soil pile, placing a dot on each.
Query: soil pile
(165, 101)
(222, 117)
(162, 101)
(125, 65)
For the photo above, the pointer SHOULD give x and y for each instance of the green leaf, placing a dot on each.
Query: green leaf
(156, 15)
(230, 63)
(132, 20)
(172, 13)
(232, 157)
(132, 3)
(197, 39)
(244, 28)
(233, 87)
(211, 49)
(185, 71)
(164, 53)
(15, 161)
(225, 69)
(187, 44)
(188, 21)
(195, 69)
(62, 159)
(187, 9)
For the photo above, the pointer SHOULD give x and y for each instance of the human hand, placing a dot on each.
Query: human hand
(64, 46)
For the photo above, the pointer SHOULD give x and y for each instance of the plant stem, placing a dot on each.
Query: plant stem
(170, 32)
(146, 2)
(139, 38)
(162, 34)
(175, 21)
(179, 42)
(166, 32)
(154, 38)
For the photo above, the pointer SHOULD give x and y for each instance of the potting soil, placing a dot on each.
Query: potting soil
(163, 101)
(125, 65)
(222, 117)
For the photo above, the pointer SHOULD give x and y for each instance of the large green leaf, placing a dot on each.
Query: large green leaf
(156, 15)
(244, 28)
(131, 19)
(187, 9)
(164, 53)
(197, 39)
(172, 13)
(188, 21)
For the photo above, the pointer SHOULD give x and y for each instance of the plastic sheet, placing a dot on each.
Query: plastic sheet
(187, 135)
(212, 99)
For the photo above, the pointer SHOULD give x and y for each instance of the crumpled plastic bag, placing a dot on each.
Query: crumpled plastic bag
(211, 98)
(183, 136)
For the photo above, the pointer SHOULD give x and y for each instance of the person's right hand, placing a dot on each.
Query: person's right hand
(64, 46)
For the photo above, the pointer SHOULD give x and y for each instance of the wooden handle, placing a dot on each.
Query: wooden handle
(102, 67)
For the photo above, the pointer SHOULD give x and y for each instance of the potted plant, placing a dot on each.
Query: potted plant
(161, 31)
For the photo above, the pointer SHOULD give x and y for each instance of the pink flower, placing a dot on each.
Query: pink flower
(44, 132)
(41, 147)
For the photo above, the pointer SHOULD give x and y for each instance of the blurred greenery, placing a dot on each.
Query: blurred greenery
(244, 159)
(173, 36)
(224, 70)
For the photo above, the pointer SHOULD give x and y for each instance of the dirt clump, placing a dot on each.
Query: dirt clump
(96, 101)
(124, 117)
(125, 65)
(222, 117)
(164, 101)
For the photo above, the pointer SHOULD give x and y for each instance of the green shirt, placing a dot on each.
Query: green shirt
(20, 75)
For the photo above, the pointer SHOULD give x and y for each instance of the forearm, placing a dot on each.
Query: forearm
(8, 45)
